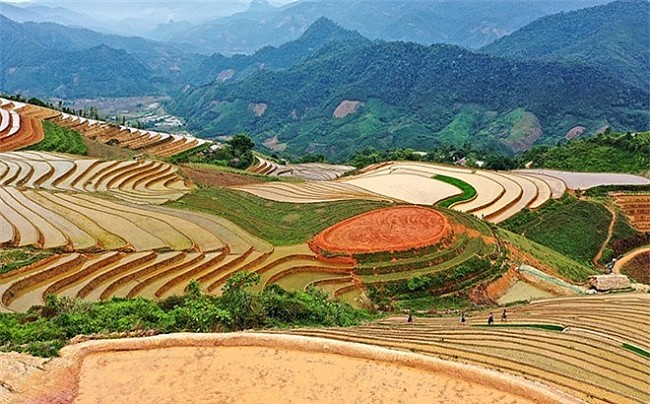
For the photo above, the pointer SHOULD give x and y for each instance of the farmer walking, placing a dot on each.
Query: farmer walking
(462, 318)
(491, 319)
(410, 319)
(504, 315)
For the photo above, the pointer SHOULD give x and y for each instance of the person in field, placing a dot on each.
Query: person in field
(410, 319)
(504, 315)
(491, 319)
(462, 318)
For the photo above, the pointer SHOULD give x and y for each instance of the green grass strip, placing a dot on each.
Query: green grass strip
(279, 223)
(468, 191)
(637, 350)
(60, 139)
(547, 327)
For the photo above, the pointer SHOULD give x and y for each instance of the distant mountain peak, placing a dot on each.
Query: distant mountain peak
(324, 23)
(260, 5)
(324, 28)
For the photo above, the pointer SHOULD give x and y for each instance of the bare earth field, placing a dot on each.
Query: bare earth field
(250, 368)
(390, 229)
(207, 177)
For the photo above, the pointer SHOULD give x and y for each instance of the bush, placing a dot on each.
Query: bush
(43, 330)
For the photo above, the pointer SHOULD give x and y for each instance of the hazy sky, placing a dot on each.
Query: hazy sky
(151, 11)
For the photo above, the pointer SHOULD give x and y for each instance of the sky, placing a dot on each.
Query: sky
(151, 11)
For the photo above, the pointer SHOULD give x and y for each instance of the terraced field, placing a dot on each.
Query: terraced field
(575, 180)
(20, 124)
(311, 192)
(595, 357)
(142, 182)
(150, 142)
(307, 171)
(126, 250)
(636, 207)
(499, 195)
(158, 275)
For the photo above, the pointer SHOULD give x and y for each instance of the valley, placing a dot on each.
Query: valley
(325, 201)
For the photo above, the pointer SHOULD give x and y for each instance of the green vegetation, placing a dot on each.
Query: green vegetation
(418, 103)
(573, 227)
(468, 191)
(612, 37)
(603, 190)
(605, 152)
(235, 153)
(445, 285)
(260, 177)
(547, 327)
(637, 350)
(279, 223)
(60, 139)
(43, 330)
(11, 259)
(565, 266)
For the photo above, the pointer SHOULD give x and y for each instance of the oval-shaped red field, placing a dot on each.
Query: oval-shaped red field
(391, 229)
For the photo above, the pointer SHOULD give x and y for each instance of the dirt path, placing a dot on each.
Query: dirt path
(627, 257)
(610, 230)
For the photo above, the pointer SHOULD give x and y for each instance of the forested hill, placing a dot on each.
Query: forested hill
(605, 152)
(410, 95)
(614, 37)
(51, 60)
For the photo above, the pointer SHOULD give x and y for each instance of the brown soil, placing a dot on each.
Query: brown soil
(251, 368)
(346, 108)
(106, 152)
(274, 144)
(636, 207)
(258, 109)
(391, 229)
(638, 267)
(575, 132)
(207, 177)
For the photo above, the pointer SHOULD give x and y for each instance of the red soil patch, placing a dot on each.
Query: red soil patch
(391, 229)
(206, 177)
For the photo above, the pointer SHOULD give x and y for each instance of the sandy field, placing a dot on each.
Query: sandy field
(408, 188)
(390, 229)
(254, 368)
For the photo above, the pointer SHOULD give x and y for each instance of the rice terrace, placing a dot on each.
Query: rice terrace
(269, 207)
(95, 230)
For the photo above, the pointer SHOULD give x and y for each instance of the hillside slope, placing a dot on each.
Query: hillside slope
(410, 95)
(613, 37)
(47, 59)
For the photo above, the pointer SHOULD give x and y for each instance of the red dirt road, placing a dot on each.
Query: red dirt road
(391, 229)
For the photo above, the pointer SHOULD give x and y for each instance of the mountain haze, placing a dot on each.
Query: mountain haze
(47, 59)
(467, 23)
(321, 32)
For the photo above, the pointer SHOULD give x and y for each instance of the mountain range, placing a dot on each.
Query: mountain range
(466, 23)
(354, 93)
(613, 37)
(334, 91)
(52, 60)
